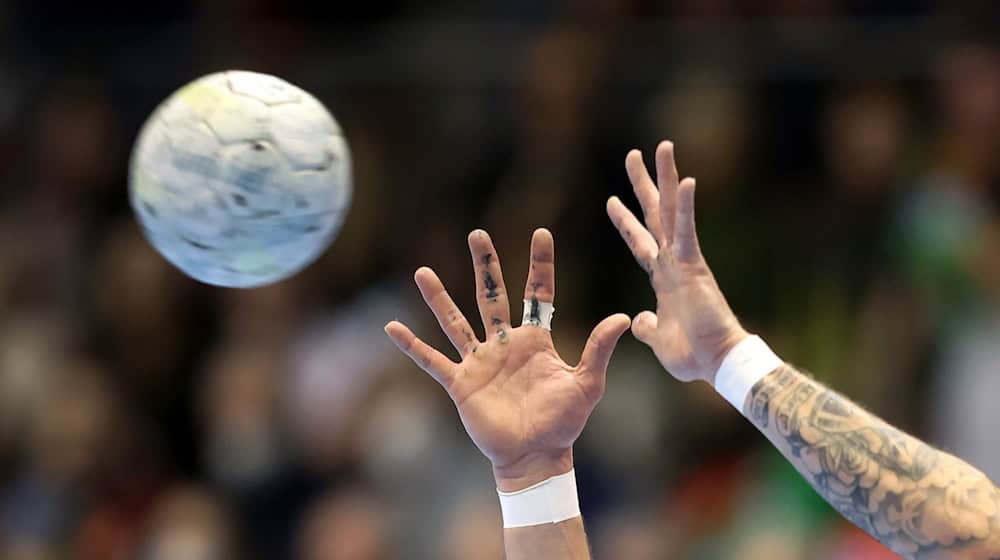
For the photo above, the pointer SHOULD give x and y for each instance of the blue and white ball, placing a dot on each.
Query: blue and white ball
(241, 179)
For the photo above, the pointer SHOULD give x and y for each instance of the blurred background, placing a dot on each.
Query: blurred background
(846, 156)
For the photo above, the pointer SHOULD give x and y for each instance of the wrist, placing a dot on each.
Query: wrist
(743, 367)
(538, 489)
(532, 469)
(729, 342)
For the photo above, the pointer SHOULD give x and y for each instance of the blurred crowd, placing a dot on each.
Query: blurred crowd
(848, 208)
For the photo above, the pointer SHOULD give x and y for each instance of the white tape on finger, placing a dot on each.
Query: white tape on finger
(551, 501)
(746, 364)
(538, 313)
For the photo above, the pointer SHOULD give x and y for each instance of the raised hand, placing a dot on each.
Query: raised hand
(916, 500)
(520, 402)
(693, 328)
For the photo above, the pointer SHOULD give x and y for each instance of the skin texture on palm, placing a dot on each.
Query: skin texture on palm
(921, 503)
(521, 403)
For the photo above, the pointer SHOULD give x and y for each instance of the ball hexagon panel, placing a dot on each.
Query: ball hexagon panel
(254, 182)
(266, 89)
(240, 179)
(294, 130)
(240, 119)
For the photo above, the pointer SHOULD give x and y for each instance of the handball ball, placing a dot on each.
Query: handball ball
(240, 179)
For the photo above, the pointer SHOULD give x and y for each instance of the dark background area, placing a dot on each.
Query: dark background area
(846, 156)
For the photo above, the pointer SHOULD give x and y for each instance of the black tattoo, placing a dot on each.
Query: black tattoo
(491, 286)
(760, 404)
(918, 501)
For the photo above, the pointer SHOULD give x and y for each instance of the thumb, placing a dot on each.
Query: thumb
(601, 344)
(644, 327)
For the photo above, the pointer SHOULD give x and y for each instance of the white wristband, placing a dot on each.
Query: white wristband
(550, 501)
(746, 364)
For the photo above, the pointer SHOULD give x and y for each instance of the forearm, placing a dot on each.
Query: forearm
(559, 541)
(530, 495)
(920, 502)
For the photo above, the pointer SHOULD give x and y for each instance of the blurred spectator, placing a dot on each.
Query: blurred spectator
(240, 416)
(966, 374)
(267, 314)
(559, 76)
(941, 219)
(709, 118)
(847, 312)
(189, 523)
(142, 314)
(864, 134)
(968, 89)
(942, 224)
(474, 530)
(72, 425)
(346, 525)
(32, 347)
(77, 149)
(62, 448)
(634, 534)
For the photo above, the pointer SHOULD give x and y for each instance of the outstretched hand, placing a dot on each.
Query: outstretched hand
(520, 402)
(693, 328)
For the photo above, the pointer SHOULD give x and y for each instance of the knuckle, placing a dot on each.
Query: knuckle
(425, 360)
(454, 319)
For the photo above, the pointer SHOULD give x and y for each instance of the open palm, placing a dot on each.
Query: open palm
(693, 328)
(520, 402)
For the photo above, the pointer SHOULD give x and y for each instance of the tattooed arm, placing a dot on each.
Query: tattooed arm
(918, 501)
(522, 405)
